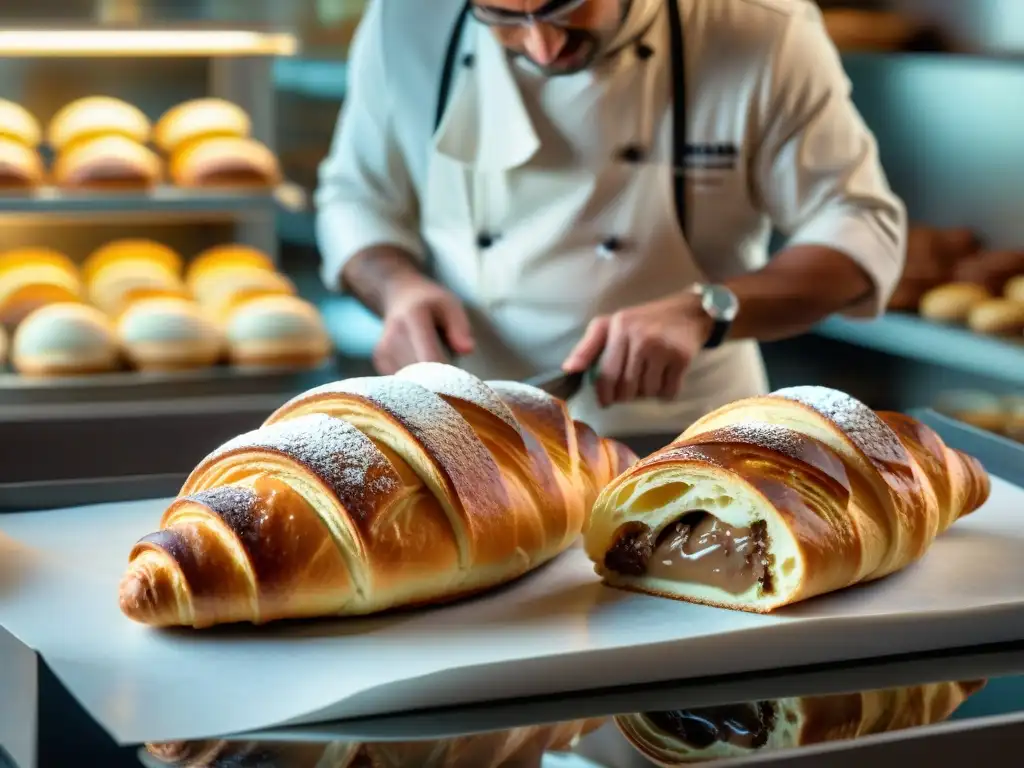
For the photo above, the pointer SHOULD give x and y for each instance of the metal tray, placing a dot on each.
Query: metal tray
(137, 385)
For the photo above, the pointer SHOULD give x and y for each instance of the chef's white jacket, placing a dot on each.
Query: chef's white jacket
(510, 200)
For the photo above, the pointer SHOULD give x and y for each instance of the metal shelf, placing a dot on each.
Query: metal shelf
(911, 337)
(162, 201)
(90, 41)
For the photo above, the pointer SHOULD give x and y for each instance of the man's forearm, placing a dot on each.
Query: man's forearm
(374, 274)
(799, 288)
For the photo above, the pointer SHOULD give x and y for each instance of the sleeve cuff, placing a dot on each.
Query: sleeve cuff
(873, 241)
(344, 231)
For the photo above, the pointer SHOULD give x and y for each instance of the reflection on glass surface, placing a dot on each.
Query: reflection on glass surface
(667, 738)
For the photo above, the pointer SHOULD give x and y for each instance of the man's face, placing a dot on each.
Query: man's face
(567, 43)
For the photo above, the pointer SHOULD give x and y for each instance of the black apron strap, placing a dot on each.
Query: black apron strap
(679, 112)
(448, 73)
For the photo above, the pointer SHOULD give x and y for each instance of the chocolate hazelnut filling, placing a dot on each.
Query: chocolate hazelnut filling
(698, 548)
(747, 726)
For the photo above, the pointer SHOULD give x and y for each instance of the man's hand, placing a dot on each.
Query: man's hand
(644, 351)
(423, 323)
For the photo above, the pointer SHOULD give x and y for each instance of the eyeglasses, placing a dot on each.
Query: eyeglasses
(556, 12)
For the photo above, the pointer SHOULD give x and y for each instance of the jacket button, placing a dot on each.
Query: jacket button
(484, 240)
(631, 154)
(609, 247)
(644, 51)
(468, 60)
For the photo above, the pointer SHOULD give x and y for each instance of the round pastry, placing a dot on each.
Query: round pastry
(19, 125)
(137, 249)
(21, 167)
(120, 282)
(200, 119)
(223, 256)
(277, 331)
(957, 243)
(999, 317)
(107, 163)
(225, 162)
(1015, 418)
(166, 334)
(3, 346)
(95, 116)
(221, 290)
(993, 269)
(31, 278)
(65, 339)
(1014, 288)
(980, 409)
(953, 302)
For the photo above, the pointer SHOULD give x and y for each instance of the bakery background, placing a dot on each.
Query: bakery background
(935, 79)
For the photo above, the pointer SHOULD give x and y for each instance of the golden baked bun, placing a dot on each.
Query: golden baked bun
(3, 346)
(1015, 418)
(277, 331)
(221, 290)
(107, 163)
(979, 409)
(65, 339)
(200, 119)
(999, 317)
(992, 269)
(119, 282)
(167, 334)
(1014, 288)
(225, 163)
(19, 125)
(953, 302)
(95, 116)
(138, 249)
(31, 278)
(21, 167)
(226, 256)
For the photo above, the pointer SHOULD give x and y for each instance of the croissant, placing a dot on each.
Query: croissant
(500, 749)
(736, 731)
(369, 494)
(772, 500)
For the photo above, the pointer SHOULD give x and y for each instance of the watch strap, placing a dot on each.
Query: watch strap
(718, 333)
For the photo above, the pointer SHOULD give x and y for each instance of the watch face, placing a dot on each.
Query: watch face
(721, 303)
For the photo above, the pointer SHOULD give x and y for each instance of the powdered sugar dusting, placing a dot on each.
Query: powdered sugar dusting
(341, 456)
(861, 424)
(455, 383)
(547, 413)
(237, 507)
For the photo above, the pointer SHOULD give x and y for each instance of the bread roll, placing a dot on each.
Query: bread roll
(278, 331)
(31, 278)
(958, 243)
(226, 256)
(3, 346)
(225, 163)
(979, 409)
(131, 249)
(993, 269)
(19, 125)
(96, 116)
(163, 334)
(65, 339)
(999, 317)
(200, 119)
(953, 302)
(1014, 289)
(21, 167)
(1015, 418)
(122, 281)
(107, 163)
(221, 290)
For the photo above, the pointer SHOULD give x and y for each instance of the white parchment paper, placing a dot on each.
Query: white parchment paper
(558, 629)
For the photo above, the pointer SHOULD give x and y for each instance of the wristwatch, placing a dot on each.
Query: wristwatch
(722, 306)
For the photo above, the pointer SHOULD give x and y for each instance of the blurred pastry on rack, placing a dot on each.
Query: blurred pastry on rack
(225, 162)
(998, 317)
(979, 409)
(215, 265)
(93, 117)
(953, 302)
(1014, 406)
(221, 290)
(31, 278)
(991, 269)
(3, 346)
(932, 256)
(21, 167)
(124, 271)
(65, 340)
(277, 331)
(200, 119)
(1014, 288)
(19, 125)
(169, 334)
(107, 163)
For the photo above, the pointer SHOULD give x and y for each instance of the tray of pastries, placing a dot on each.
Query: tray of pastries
(950, 278)
(132, 318)
(104, 144)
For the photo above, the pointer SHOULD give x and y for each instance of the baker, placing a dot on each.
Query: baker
(535, 184)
